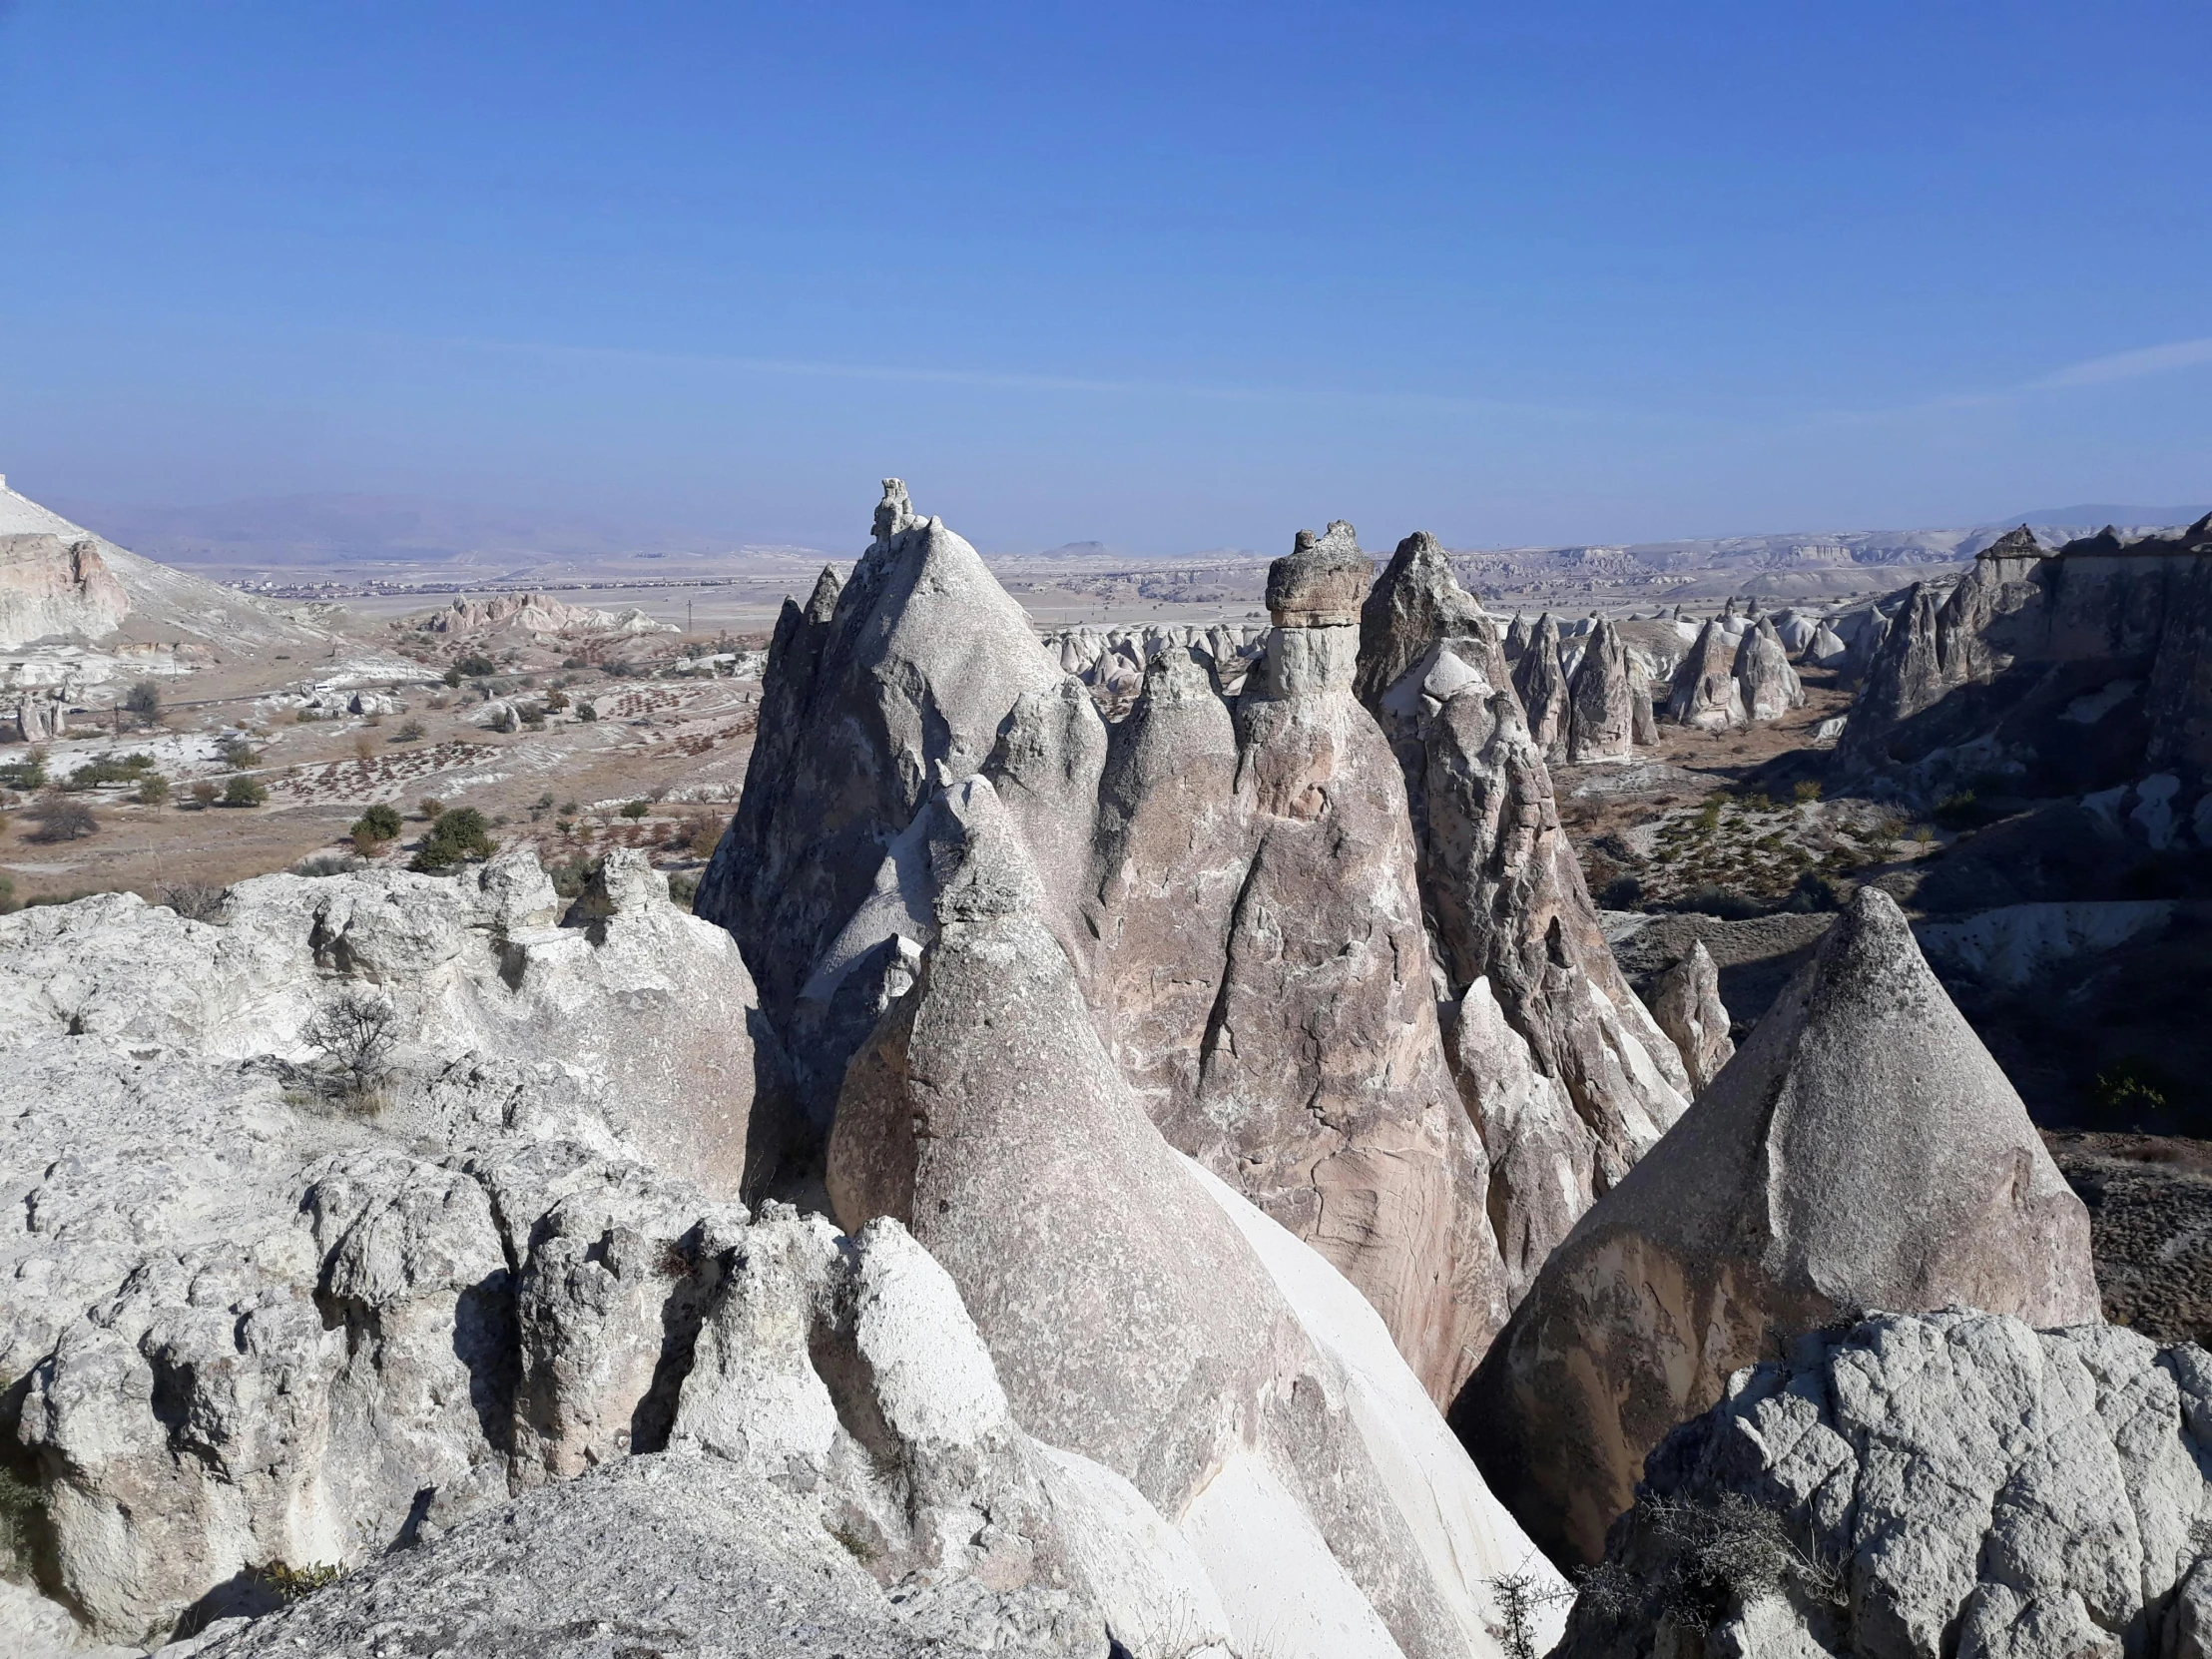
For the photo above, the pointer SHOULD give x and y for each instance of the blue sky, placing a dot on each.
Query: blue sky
(1172, 276)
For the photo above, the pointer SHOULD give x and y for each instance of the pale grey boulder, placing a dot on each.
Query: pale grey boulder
(1687, 1005)
(678, 1553)
(1770, 684)
(1643, 721)
(1707, 693)
(1601, 697)
(1322, 582)
(1415, 602)
(1542, 685)
(1862, 1150)
(1952, 1483)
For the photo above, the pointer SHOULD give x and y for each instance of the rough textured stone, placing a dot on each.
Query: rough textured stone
(1862, 1150)
(56, 587)
(1322, 582)
(1980, 1489)
(1601, 722)
(1707, 693)
(1770, 684)
(1415, 602)
(987, 1114)
(1687, 1003)
(1542, 687)
(920, 660)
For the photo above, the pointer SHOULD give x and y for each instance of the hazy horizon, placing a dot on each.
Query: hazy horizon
(1159, 277)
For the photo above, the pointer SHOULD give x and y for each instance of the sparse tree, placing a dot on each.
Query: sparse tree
(63, 820)
(153, 791)
(356, 1033)
(144, 703)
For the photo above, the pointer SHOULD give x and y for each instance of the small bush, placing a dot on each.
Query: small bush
(683, 888)
(144, 702)
(237, 754)
(1715, 900)
(1815, 892)
(153, 791)
(504, 721)
(585, 712)
(430, 807)
(356, 1034)
(1805, 790)
(63, 820)
(457, 837)
(194, 901)
(556, 700)
(205, 794)
(379, 824)
(8, 905)
(452, 677)
(26, 774)
(1624, 892)
(532, 716)
(570, 875)
(326, 863)
(290, 1585)
(19, 1502)
(243, 790)
(2130, 1091)
(475, 667)
(1959, 812)
(411, 730)
(635, 809)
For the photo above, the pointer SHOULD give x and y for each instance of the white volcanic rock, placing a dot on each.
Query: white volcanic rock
(1770, 684)
(1979, 1487)
(1826, 649)
(537, 614)
(987, 1115)
(1862, 1150)
(647, 1014)
(1415, 602)
(1601, 722)
(1707, 693)
(56, 587)
(1542, 688)
(1687, 1003)
(881, 690)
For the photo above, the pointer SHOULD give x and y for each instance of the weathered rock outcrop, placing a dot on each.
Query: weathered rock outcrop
(56, 586)
(1705, 692)
(1127, 1322)
(1601, 722)
(1862, 1150)
(538, 613)
(1542, 685)
(1916, 1488)
(1687, 1003)
(1415, 602)
(904, 684)
(1770, 684)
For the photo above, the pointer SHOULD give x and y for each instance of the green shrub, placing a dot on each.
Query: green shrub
(289, 1585)
(26, 774)
(243, 790)
(381, 822)
(145, 701)
(1959, 812)
(1624, 892)
(110, 769)
(19, 1502)
(236, 753)
(1805, 790)
(635, 809)
(585, 711)
(7, 896)
(2129, 1091)
(151, 790)
(452, 677)
(683, 888)
(476, 666)
(1715, 900)
(458, 835)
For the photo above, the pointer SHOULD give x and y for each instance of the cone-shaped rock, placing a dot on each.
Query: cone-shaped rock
(1131, 1317)
(1601, 724)
(1516, 638)
(1861, 1151)
(1542, 686)
(1643, 723)
(1903, 675)
(905, 682)
(1770, 684)
(1689, 1009)
(1706, 691)
(1415, 602)
(1827, 649)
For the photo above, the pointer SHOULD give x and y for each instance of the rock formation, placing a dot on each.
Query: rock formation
(987, 1115)
(1687, 1003)
(1919, 1486)
(903, 684)
(1542, 688)
(56, 587)
(1862, 1150)
(1827, 649)
(1707, 693)
(538, 613)
(1601, 721)
(1415, 602)
(1770, 684)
